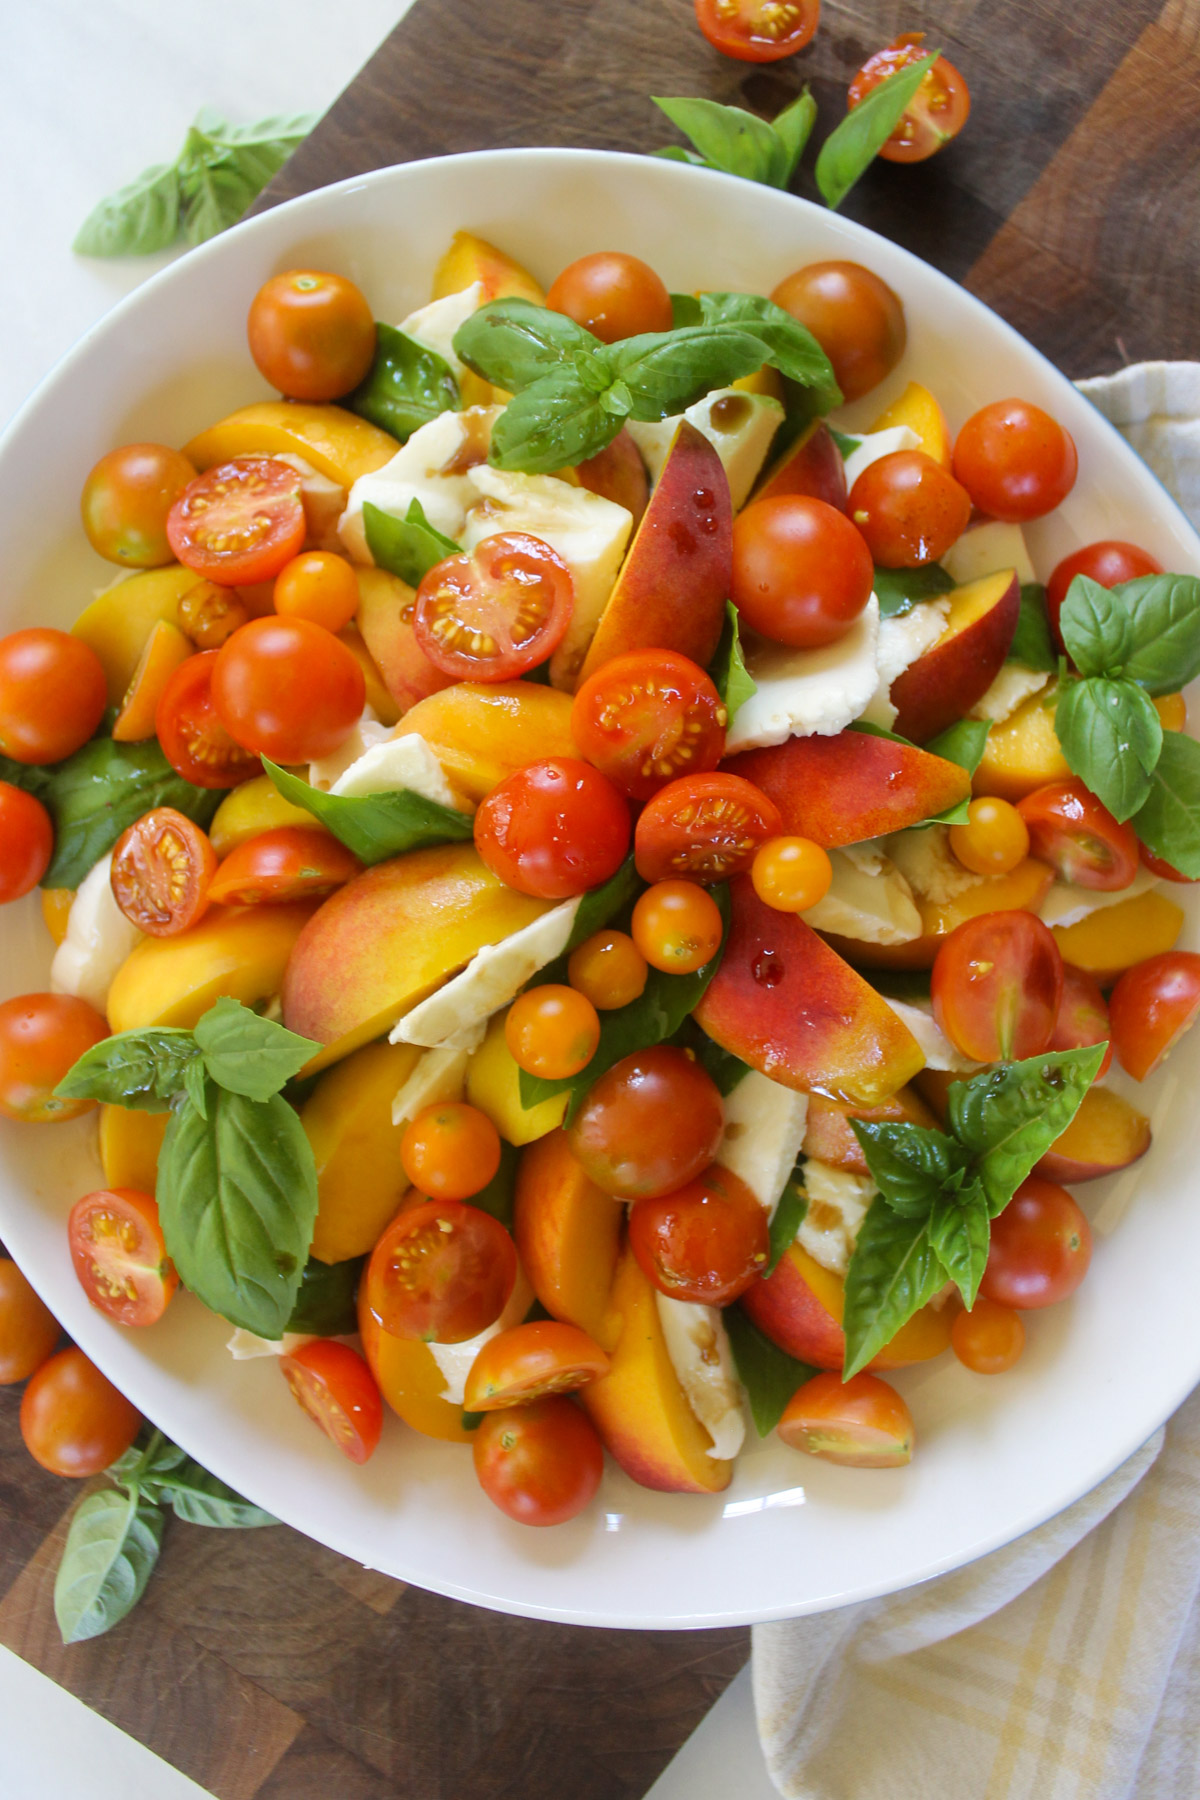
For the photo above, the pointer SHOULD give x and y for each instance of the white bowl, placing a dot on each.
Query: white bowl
(791, 1535)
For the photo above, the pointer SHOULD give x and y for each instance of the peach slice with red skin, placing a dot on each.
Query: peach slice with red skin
(618, 473)
(1105, 1135)
(800, 1307)
(384, 618)
(811, 467)
(568, 1236)
(843, 789)
(829, 1136)
(945, 683)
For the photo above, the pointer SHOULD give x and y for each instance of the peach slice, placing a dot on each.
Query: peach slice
(378, 698)
(56, 911)
(118, 623)
(129, 1145)
(241, 951)
(253, 807)
(1022, 890)
(568, 1235)
(481, 731)
(671, 592)
(1105, 1135)
(348, 1121)
(640, 1409)
(470, 259)
(918, 409)
(164, 650)
(946, 682)
(1023, 752)
(789, 1006)
(336, 443)
(494, 1086)
(800, 1308)
(618, 473)
(843, 789)
(811, 467)
(1114, 938)
(830, 1139)
(384, 618)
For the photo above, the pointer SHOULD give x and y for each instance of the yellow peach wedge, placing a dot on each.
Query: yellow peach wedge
(918, 409)
(568, 1234)
(1114, 938)
(348, 1121)
(494, 1086)
(118, 623)
(164, 650)
(241, 951)
(480, 732)
(129, 1145)
(56, 910)
(252, 808)
(336, 443)
(1022, 752)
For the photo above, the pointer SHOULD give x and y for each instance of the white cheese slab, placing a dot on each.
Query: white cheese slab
(1066, 904)
(986, 548)
(875, 444)
(936, 1048)
(432, 467)
(764, 1130)
(903, 640)
(363, 735)
(808, 693)
(454, 1361)
(439, 1075)
(434, 325)
(456, 1016)
(99, 938)
(245, 1346)
(1013, 685)
(739, 426)
(837, 1205)
(395, 763)
(698, 1345)
(871, 902)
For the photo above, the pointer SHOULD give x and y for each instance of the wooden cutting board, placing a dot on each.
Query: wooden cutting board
(261, 1664)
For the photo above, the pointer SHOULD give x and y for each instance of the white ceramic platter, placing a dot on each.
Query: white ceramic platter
(995, 1456)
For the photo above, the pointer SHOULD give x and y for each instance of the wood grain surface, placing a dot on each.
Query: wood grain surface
(259, 1663)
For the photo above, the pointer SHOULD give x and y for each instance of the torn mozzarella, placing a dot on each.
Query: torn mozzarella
(439, 1075)
(454, 1361)
(99, 938)
(928, 864)
(434, 326)
(324, 502)
(363, 736)
(434, 467)
(837, 1205)
(807, 693)
(739, 426)
(393, 763)
(903, 640)
(875, 444)
(1012, 687)
(1066, 904)
(698, 1346)
(245, 1345)
(456, 1016)
(985, 549)
(868, 899)
(764, 1129)
(936, 1048)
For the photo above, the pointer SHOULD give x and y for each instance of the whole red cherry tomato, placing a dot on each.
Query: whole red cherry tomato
(287, 689)
(651, 1123)
(312, 334)
(758, 31)
(802, 573)
(541, 1464)
(28, 1329)
(497, 613)
(612, 295)
(997, 986)
(53, 693)
(42, 1036)
(1109, 562)
(26, 842)
(854, 316)
(1015, 461)
(553, 829)
(705, 1241)
(73, 1420)
(909, 509)
(126, 499)
(937, 111)
(1151, 1007)
(1072, 831)
(1041, 1247)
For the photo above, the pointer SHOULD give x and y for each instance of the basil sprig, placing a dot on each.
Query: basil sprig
(769, 1375)
(852, 146)
(737, 142)
(939, 1190)
(407, 547)
(1032, 644)
(406, 385)
(376, 826)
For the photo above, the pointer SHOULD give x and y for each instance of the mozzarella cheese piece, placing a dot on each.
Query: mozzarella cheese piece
(245, 1345)
(454, 1361)
(456, 1016)
(398, 762)
(434, 325)
(1066, 904)
(698, 1345)
(928, 864)
(99, 938)
(1012, 687)
(739, 426)
(903, 640)
(837, 1205)
(938, 1051)
(983, 549)
(324, 502)
(440, 1075)
(434, 467)
(875, 444)
(807, 693)
(868, 899)
(764, 1129)
(363, 736)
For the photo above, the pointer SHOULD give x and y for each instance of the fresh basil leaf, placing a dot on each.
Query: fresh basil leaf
(217, 187)
(1111, 737)
(1168, 822)
(790, 347)
(852, 146)
(847, 445)
(1096, 627)
(793, 127)
(899, 590)
(769, 1375)
(730, 139)
(960, 1230)
(1008, 1117)
(201, 1499)
(281, 131)
(405, 387)
(556, 422)
(196, 1085)
(407, 547)
(669, 153)
(135, 221)
(726, 1070)
(513, 343)
(1032, 644)
(325, 1305)
(962, 743)
(869, 730)
(685, 308)
(600, 904)
(499, 1196)
(910, 1164)
(237, 1197)
(110, 1553)
(142, 1070)
(789, 1215)
(147, 1458)
(893, 1273)
(667, 371)
(375, 826)
(247, 1054)
(1165, 614)
(731, 678)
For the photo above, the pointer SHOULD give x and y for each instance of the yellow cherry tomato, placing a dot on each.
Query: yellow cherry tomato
(609, 969)
(552, 1031)
(791, 874)
(994, 839)
(677, 926)
(450, 1150)
(319, 586)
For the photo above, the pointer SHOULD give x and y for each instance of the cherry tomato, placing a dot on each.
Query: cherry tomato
(318, 586)
(73, 1420)
(854, 316)
(240, 522)
(42, 1036)
(1162, 869)
(1041, 1248)
(1082, 1017)
(989, 1338)
(291, 862)
(339, 1393)
(862, 1423)
(119, 1255)
(647, 717)
(311, 334)
(52, 694)
(527, 1362)
(1109, 562)
(802, 572)
(553, 829)
(497, 613)
(791, 874)
(286, 689)
(1015, 461)
(994, 839)
(26, 842)
(705, 1241)
(541, 1464)
(1070, 829)
(192, 737)
(997, 985)
(612, 295)
(937, 111)
(677, 927)
(704, 827)
(608, 969)
(758, 31)
(650, 1124)
(552, 1031)
(125, 503)
(443, 1272)
(908, 508)
(208, 614)
(162, 872)
(1151, 1007)
(450, 1150)
(28, 1329)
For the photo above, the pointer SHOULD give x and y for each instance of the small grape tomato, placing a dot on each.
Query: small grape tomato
(42, 1036)
(989, 1339)
(1015, 461)
(162, 872)
(26, 842)
(677, 927)
(450, 1150)
(126, 499)
(553, 829)
(649, 1124)
(318, 586)
(791, 874)
(854, 316)
(802, 573)
(647, 717)
(608, 969)
(994, 839)
(997, 986)
(552, 1031)
(1072, 831)
(120, 1256)
(497, 613)
(73, 1420)
(862, 1423)
(612, 295)
(937, 111)
(443, 1272)
(758, 31)
(705, 1241)
(1151, 1007)
(541, 1464)
(339, 1393)
(312, 334)
(1040, 1250)
(527, 1362)
(240, 522)
(289, 862)
(703, 828)
(193, 739)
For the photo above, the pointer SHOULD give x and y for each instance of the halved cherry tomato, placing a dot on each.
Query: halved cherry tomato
(552, 1031)
(988, 1339)
(1109, 562)
(1041, 1248)
(1082, 1017)
(73, 1420)
(450, 1150)
(312, 334)
(287, 689)
(53, 693)
(319, 586)
(1015, 461)
(291, 862)
(443, 1272)
(1151, 1007)
(1070, 829)
(192, 737)
(994, 839)
(162, 872)
(339, 1393)
(209, 614)
(937, 111)
(862, 1423)
(802, 572)
(120, 1256)
(527, 1362)
(541, 1464)
(553, 829)
(649, 716)
(791, 874)
(240, 522)
(126, 499)
(854, 316)
(677, 927)
(42, 1036)
(28, 1329)
(608, 969)
(496, 613)
(612, 295)
(704, 827)
(758, 31)
(997, 986)
(705, 1241)
(26, 842)
(909, 509)
(650, 1124)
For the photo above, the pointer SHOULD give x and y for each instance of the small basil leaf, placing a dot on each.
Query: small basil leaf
(1008, 1117)
(1096, 627)
(600, 904)
(145, 1460)
(960, 1231)
(731, 678)
(847, 445)
(375, 826)
(685, 310)
(899, 590)
(1165, 613)
(1032, 644)
(786, 1220)
(202, 1499)
(1111, 737)
(110, 1553)
(247, 1054)
(793, 127)
(769, 1375)
(962, 743)
(790, 347)
(405, 387)
(1168, 821)
(729, 138)
(553, 423)
(893, 1273)
(135, 221)
(852, 146)
(215, 191)
(726, 1069)
(910, 1164)
(513, 343)
(667, 371)
(407, 547)
(282, 133)
(142, 1070)
(325, 1305)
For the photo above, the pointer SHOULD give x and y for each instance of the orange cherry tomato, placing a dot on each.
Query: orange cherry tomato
(192, 737)
(240, 522)
(497, 613)
(1015, 461)
(208, 614)
(290, 862)
(73, 1420)
(649, 716)
(120, 1256)
(552, 1031)
(42, 1036)
(612, 295)
(802, 573)
(28, 1329)
(311, 334)
(1041, 1247)
(450, 1150)
(649, 1124)
(988, 1339)
(758, 31)
(994, 839)
(541, 1464)
(553, 829)
(937, 111)
(162, 872)
(791, 874)
(318, 586)
(443, 1272)
(527, 1362)
(1082, 1017)
(52, 694)
(1070, 829)
(125, 503)
(854, 316)
(1109, 562)
(997, 986)
(703, 827)
(1151, 1007)
(908, 508)
(26, 842)
(705, 1241)
(677, 927)
(862, 1423)
(608, 969)
(339, 1393)
(286, 689)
